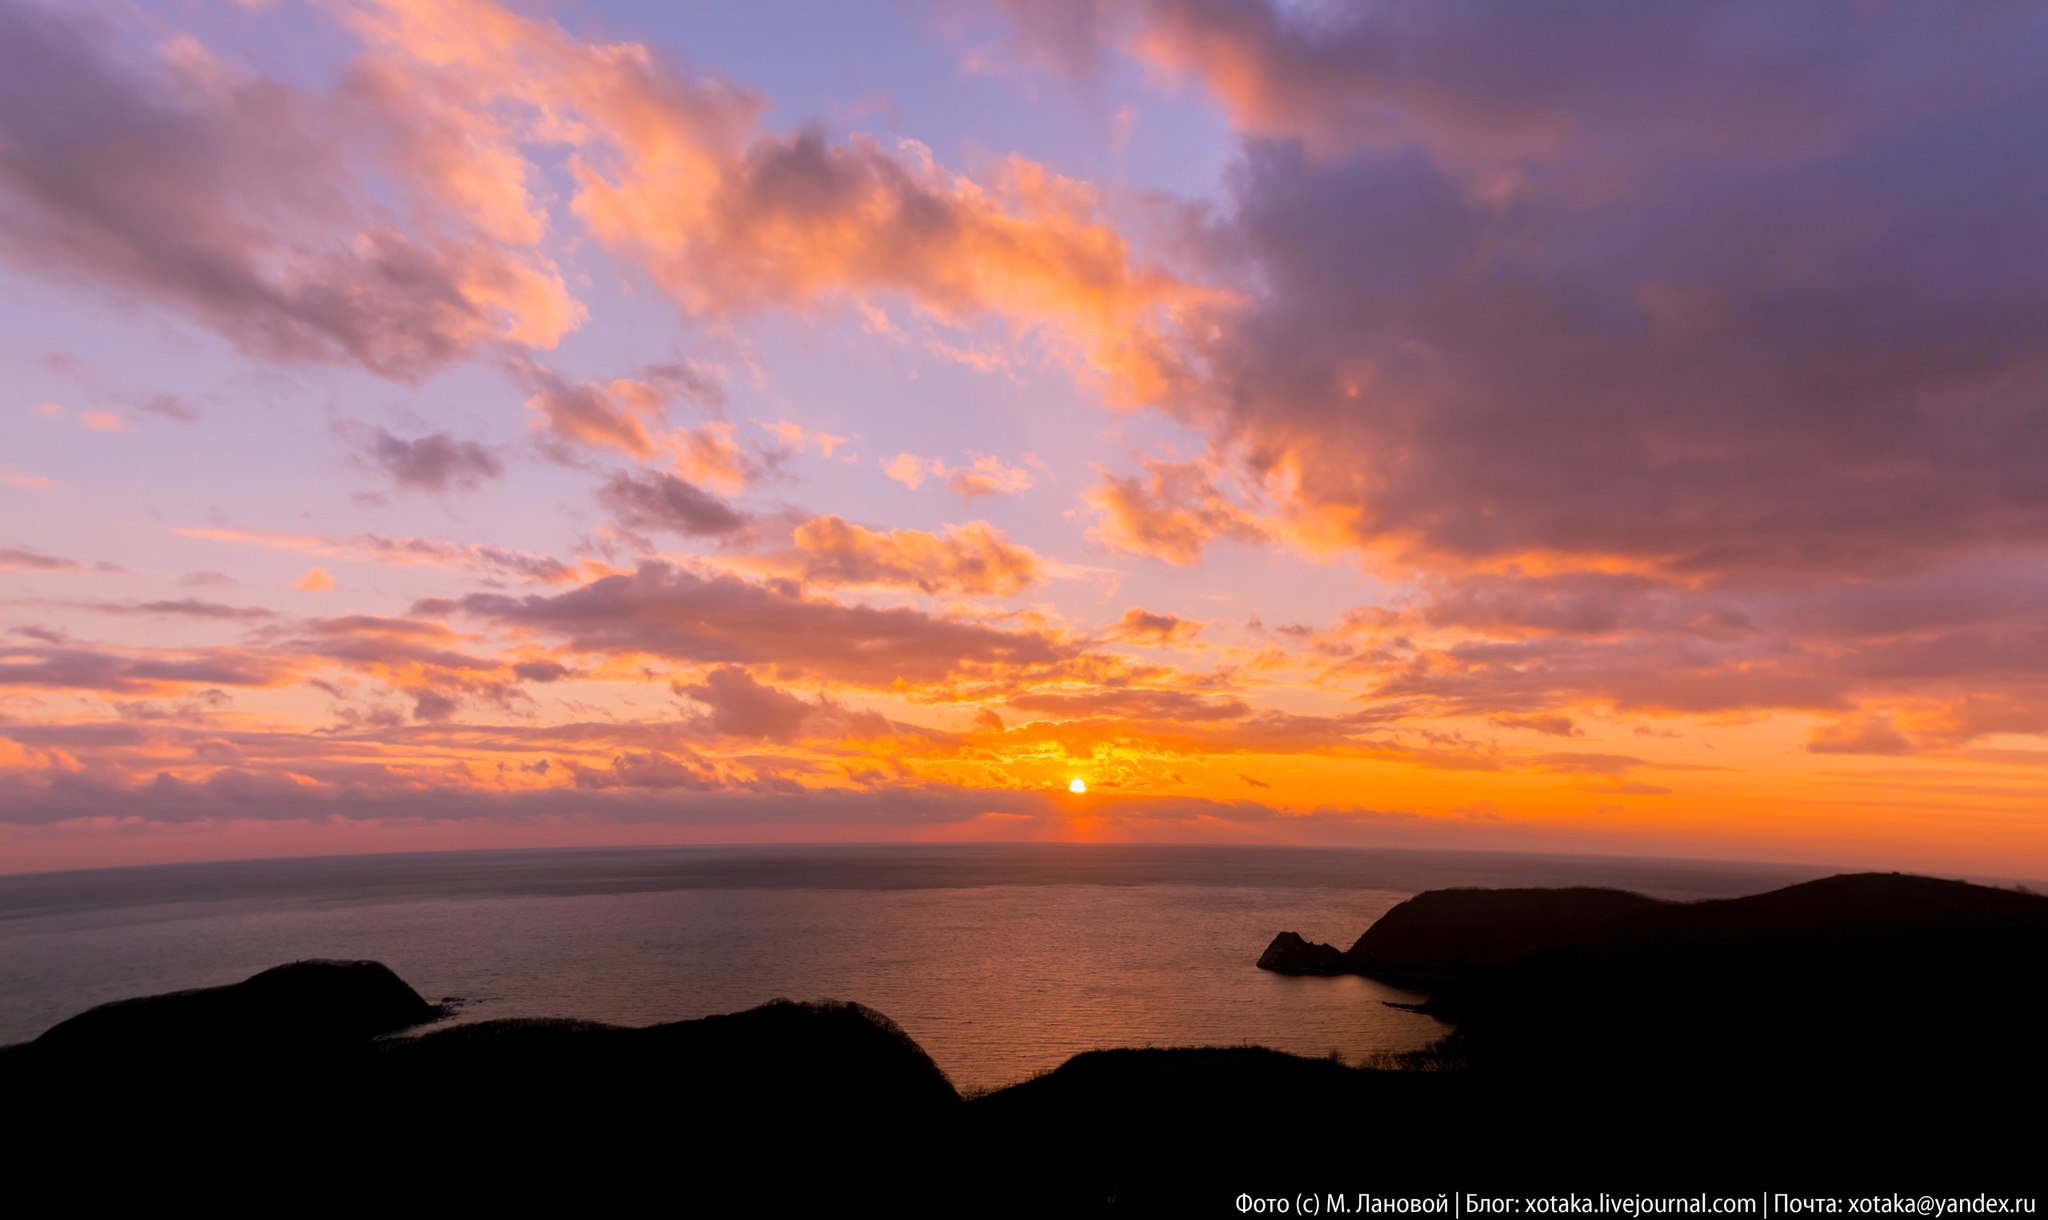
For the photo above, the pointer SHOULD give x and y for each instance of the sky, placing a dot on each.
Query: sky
(434, 424)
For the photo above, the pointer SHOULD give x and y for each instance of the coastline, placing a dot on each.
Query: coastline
(317, 1052)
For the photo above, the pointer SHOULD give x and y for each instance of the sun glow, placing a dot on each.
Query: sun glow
(1077, 785)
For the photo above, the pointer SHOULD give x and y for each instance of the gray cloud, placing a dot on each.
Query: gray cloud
(651, 501)
(436, 462)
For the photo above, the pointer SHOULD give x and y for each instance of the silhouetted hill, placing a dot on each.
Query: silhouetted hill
(767, 1062)
(1441, 934)
(1823, 981)
(303, 1008)
(785, 1105)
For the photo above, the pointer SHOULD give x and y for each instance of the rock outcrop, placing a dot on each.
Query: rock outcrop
(1290, 954)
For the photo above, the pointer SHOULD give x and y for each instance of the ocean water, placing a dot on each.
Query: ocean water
(1002, 961)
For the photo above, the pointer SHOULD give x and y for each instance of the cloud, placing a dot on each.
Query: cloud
(652, 769)
(796, 437)
(612, 416)
(1748, 343)
(542, 670)
(672, 613)
(711, 453)
(184, 607)
(1144, 627)
(974, 559)
(169, 406)
(1871, 735)
(493, 562)
(1551, 724)
(315, 580)
(436, 462)
(742, 707)
(247, 202)
(907, 469)
(631, 416)
(1075, 38)
(1529, 651)
(166, 671)
(420, 658)
(1138, 706)
(983, 476)
(1171, 514)
(11, 477)
(28, 559)
(651, 501)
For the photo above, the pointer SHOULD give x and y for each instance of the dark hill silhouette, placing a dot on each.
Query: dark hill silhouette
(1441, 934)
(767, 1062)
(1815, 982)
(785, 1106)
(301, 1008)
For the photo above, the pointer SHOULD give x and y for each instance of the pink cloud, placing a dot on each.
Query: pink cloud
(246, 203)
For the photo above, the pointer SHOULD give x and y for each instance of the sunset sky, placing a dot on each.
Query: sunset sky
(1576, 427)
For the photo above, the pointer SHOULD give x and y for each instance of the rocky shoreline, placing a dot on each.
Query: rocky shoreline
(1584, 1020)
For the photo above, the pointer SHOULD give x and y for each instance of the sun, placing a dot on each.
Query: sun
(1077, 785)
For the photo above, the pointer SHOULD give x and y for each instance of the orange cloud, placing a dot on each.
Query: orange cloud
(315, 580)
(797, 437)
(973, 559)
(1171, 514)
(1144, 627)
(614, 416)
(709, 453)
(984, 476)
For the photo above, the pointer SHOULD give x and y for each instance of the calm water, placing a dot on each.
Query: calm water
(1001, 961)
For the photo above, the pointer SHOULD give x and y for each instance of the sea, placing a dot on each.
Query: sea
(1001, 960)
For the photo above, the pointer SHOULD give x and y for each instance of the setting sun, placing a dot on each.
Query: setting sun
(1077, 785)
